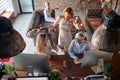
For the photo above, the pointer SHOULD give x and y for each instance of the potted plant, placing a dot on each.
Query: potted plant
(108, 70)
(6, 69)
(54, 74)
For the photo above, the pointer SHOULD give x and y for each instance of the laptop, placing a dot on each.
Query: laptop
(29, 78)
(32, 78)
(31, 63)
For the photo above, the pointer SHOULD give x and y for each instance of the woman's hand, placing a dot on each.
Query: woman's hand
(76, 59)
(50, 27)
(54, 47)
(70, 21)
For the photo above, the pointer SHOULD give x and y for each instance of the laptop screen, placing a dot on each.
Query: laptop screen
(37, 62)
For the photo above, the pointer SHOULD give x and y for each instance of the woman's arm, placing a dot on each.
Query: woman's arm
(85, 47)
(56, 21)
(70, 50)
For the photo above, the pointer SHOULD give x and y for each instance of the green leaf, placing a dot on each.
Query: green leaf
(54, 74)
(109, 67)
(8, 68)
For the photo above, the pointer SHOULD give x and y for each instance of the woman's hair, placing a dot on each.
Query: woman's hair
(40, 44)
(69, 10)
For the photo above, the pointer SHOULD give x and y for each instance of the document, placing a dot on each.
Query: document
(78, 62)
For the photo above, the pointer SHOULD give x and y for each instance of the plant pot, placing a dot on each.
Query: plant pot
(1, 74)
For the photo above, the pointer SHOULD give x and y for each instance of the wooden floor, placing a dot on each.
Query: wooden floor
(21, 24)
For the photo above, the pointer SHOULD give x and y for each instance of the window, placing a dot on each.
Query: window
(3, 5)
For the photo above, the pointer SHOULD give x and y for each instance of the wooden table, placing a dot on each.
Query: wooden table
(67, 67)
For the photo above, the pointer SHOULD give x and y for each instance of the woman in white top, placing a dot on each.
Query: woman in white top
(65, 22)
(47, 13)
(43, 45)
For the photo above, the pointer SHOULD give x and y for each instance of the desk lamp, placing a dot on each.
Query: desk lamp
(107, 35)
(11, 42)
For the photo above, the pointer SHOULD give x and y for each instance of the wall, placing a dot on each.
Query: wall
(15, 7)
(61, 4)
(10, 6)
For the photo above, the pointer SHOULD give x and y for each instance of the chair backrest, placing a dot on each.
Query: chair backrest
(94, 13)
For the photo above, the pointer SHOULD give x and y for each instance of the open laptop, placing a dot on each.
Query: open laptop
(29, 78)
(32, 78)
(31, 63)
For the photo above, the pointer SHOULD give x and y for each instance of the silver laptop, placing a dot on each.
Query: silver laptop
(35, 62)
(32, 78)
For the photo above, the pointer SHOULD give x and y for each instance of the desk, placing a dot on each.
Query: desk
(75, 70)
(67, 67)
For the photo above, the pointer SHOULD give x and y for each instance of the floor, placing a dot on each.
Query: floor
(21, 24)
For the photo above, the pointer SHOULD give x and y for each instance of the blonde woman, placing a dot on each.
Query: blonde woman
(43, 45)
(65, 22)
